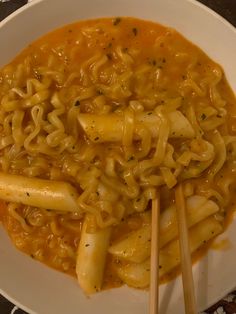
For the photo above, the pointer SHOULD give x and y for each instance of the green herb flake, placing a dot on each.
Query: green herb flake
(109, 56)
(99, 92)
(131, 158)
(38, 77)
(151, 61)
(116, 21)
(135, 31)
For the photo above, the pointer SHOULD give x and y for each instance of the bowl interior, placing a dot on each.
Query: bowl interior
(39, 289)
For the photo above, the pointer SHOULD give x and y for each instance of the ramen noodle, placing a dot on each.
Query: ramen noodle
(95, 118)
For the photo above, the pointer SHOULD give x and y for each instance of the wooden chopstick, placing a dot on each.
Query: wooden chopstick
(186, 264)
(154, 274)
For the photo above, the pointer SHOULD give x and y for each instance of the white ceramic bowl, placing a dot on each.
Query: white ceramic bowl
(39, 289)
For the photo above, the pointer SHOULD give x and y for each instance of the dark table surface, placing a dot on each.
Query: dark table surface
(226, 8)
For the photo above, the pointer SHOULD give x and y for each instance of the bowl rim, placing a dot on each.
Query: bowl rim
(32, 3)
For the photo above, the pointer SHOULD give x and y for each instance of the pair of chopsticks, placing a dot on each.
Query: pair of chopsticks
(186, 264)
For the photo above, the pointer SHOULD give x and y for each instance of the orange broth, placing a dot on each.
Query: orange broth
(130, 34)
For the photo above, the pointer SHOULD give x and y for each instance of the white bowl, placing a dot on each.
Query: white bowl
(39, 289)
